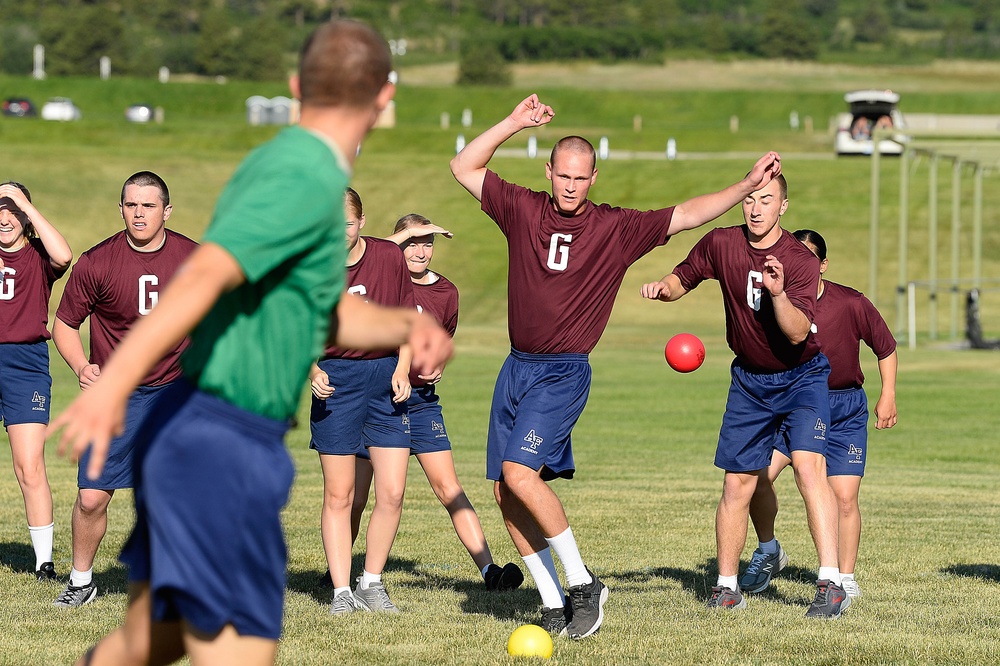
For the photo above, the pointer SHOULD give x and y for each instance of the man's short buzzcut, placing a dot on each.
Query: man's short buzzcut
(343, 63)
(574, 144)
(147, 179)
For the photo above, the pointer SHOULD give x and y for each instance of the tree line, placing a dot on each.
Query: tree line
(258, 39)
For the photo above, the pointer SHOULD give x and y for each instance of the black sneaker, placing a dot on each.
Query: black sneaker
(762, 567)
(830, 601)
(723, 597)
(74, 597)
(587, 604)
(554, 620)
(499, 579)
(46, 572)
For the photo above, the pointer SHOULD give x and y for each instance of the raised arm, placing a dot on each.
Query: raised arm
(406, 234)
(667, 289)
(469, 166)
(60, 254)
(705, 208)
(792, 321)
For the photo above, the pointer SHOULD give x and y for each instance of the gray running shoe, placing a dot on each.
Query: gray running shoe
(345, 603)
(554, 620)
(375, 598)
(587, 604)
(74, 597)
(761, 569)
(852, 588)
(723, 597)
(830, 601)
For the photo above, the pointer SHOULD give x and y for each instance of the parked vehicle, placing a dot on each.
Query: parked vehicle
(19, 107)
(139, 113)
(61, 108)
(870, 110)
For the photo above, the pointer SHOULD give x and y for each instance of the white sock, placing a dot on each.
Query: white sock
(338, 590)
(81, 578)
(41, 541)
(831, 574)
(768, 547)
(368, 578)
(846, 576)
(542, 568)
(727, 581)
(565, 548)
(484, 570)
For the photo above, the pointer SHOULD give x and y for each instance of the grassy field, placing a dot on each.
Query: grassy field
(642, 505)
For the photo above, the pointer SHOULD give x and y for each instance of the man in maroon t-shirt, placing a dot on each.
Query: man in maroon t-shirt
(567, 259)
(779, 383)
(113, 284)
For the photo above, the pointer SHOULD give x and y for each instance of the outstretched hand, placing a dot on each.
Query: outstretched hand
(532, 113)
(764, 171)
(92, 420)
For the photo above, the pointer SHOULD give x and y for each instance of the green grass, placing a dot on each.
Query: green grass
(642, 505)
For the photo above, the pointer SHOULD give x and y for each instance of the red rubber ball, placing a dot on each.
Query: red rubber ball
(684, 352)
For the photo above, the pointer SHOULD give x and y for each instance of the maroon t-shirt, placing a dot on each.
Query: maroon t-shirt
(440, 300)
(844, 317)
(25, 287)
(565, 272)
(380, 276)
(725, 254)
(114, 284)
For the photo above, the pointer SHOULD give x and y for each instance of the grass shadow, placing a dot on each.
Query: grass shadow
(699, 580)
(989, 572)
(18, 557)
(113, 580)
(317, 583)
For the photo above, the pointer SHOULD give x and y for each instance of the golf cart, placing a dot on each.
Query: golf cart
(869, 110)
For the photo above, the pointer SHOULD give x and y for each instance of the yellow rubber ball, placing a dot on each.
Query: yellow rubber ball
(529, 640)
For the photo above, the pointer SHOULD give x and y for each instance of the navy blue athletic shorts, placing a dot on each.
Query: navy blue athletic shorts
(847, 438)
(360, 413)
(25, 383)
(117, 472)
(427, 431)
(537, 401)
(211, 480)
(763, 407)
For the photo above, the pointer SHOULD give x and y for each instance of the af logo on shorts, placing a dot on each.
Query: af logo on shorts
(820, 430)
(39, 401)
(438, 428)
(857, 453)
(405, 420)
(534, 440)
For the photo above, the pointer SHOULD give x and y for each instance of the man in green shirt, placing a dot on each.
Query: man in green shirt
(207, 556)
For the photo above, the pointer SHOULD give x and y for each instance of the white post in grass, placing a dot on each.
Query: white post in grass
(38, 69)
(671, 149)
(603, 151)
(459, 143)
(532, 147)
(105, 65)
(164, 74)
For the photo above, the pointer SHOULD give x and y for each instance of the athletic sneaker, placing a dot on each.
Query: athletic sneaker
(762, 567)
(74, 596)
(345, 603)
(830, 601)
(375, 598)
(851, 587)
(499, 579)
(723, 597)
(554, 620)
(587, 604)
(46, 572)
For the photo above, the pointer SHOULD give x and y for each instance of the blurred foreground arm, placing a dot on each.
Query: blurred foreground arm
(368, 326)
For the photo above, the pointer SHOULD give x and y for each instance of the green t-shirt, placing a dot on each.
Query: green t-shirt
(281, 216)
